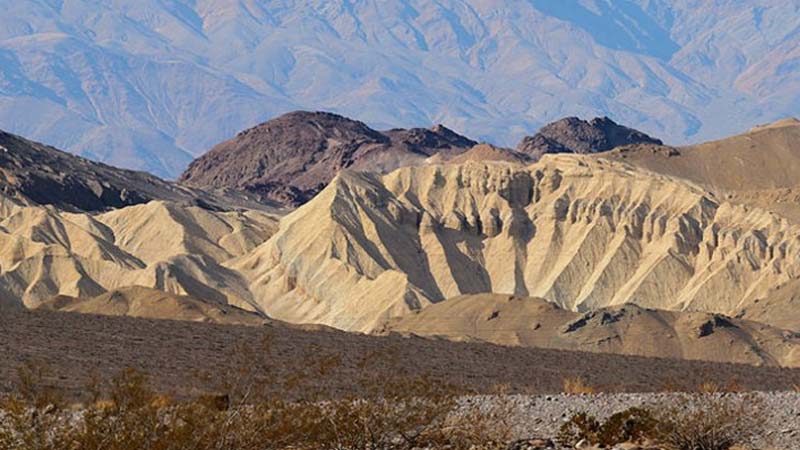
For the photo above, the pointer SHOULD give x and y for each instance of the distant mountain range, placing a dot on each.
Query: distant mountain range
(152, 84)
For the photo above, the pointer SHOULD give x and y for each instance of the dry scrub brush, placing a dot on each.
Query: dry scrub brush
(709, 422)
(577, 386)
(696, 422)
(127, 414)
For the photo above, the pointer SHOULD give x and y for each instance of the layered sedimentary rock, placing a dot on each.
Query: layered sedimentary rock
(177, 249)
(581, 232)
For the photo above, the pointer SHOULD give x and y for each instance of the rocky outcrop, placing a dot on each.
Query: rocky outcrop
(573, 135)
(291, 158)
(34, 173)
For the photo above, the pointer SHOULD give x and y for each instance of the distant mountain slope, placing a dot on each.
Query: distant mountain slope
(573, 135)
(292, 157)
(151, 84)
(532, 322)
(38, 174)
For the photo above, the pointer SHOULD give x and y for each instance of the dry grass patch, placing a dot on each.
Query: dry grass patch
(577, 385)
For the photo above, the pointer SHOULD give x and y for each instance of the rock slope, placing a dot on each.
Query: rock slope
(573, 135)
(581, 232)
(290, 158)
(759, 168)
(173, 248)
(629, 329)
(148, 303)
(34, 173)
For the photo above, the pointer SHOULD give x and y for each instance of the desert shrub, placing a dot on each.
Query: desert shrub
(713, 387)
(703, 422)
(128, 414)
(631, 425)
(577, 385)
(580, 427)
(708, 422)
(32, 385)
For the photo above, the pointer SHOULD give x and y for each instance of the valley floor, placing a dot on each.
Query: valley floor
(186, 358)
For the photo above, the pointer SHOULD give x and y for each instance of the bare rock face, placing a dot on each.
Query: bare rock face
(573, 135)
(44, 175)
(34, 173)
(581, 232)
(291, 158)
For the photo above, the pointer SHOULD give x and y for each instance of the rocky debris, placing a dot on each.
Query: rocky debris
(532, 444)
(39, 174)
(573, 135)
(542, 415)
(717, 321)
(289, 159)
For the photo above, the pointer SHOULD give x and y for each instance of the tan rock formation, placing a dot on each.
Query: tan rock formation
(632, 330)
(580, 232)
(177, 249)
(138, 301)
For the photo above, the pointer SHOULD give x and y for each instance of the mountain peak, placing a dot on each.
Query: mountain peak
(574, 135)
(290, 158)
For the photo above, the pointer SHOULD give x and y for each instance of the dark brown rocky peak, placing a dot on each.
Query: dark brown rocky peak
(429, 140)
(573, 135)
(40, 174)
(292, 157)
(35, 173)
(307, 124)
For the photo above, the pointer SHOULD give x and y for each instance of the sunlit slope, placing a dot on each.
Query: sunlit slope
(580, 232)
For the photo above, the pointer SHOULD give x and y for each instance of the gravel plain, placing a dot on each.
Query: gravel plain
(541, 416)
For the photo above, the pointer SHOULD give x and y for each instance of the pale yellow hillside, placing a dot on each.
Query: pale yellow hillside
(760, 167)
(178, 249)
(532, 322)
(581, 232)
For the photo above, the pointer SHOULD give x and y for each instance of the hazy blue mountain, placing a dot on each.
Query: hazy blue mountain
(149, 84)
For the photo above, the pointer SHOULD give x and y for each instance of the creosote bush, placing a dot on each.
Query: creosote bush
(700, 422)
(709, 422)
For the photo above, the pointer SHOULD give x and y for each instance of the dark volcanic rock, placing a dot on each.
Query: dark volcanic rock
(40, 174)
(573, 135)
(290, 158)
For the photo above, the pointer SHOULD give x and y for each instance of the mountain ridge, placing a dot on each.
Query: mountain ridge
(154, 84)
(290, 158)
(384, 246)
